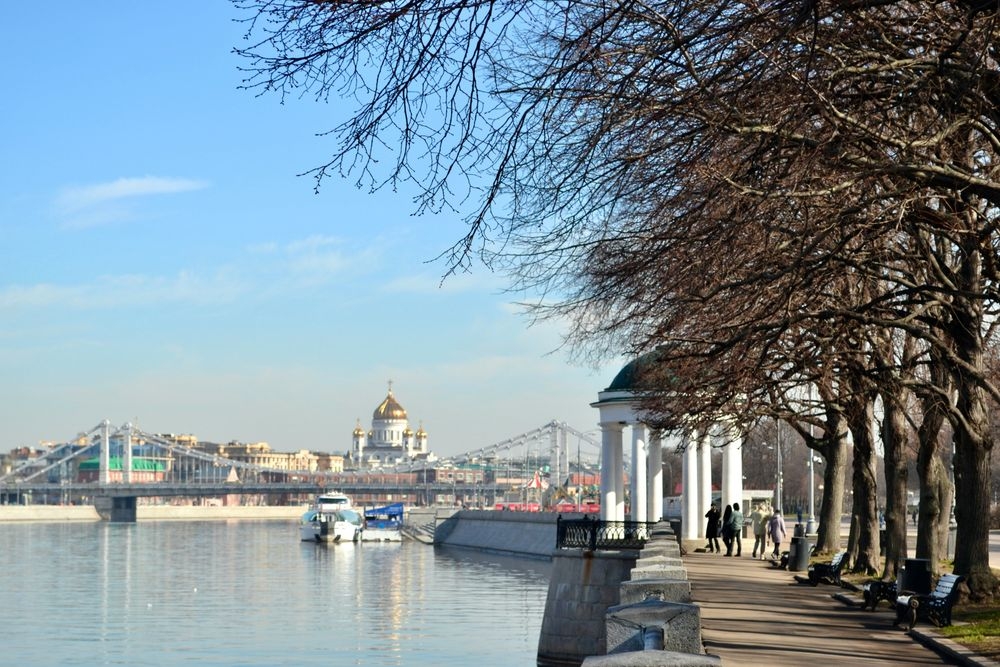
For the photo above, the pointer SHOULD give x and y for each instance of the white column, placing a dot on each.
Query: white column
(639, 480)
(690, 520)
(704, 440)
(104, 462)
(619, 453)
(127, 456)
(732, 465)
(654, 493)
(725, 484)
(611, 469)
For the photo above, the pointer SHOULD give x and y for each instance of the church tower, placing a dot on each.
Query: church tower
(390, 439)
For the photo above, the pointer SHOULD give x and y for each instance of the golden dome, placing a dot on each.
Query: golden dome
(358, 431)
(389, 409)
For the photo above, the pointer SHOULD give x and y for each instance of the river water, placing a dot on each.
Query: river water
(251, 593)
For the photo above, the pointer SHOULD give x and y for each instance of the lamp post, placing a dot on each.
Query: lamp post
(811, 521)
(781, 479)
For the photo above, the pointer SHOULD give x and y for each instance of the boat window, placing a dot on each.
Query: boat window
(350, 515)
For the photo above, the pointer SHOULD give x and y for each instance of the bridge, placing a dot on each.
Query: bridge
(112, 467)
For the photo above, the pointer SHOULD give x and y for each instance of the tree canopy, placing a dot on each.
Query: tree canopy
(778, 194)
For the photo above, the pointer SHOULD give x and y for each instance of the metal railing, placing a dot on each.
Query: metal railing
(596, 534)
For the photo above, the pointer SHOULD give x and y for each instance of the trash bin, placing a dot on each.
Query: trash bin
(917, 576)
(798, 554)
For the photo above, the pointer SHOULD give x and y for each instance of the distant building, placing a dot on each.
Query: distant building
(390, 439)
(261, 454)
(329, 462)
(143, 470)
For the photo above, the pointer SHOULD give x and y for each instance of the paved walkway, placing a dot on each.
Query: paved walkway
(755, 614)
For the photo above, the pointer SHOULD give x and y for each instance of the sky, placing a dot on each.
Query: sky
(164, 263)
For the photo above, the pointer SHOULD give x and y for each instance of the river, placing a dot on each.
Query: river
(249, 592)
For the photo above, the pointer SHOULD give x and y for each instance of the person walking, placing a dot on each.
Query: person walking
(776, 529)
(758, 522)
(712, 529)
(735, 531)
(727, 529)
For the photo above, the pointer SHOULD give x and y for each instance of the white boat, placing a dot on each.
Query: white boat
(331, 520)
(327, 502)
(384, 524)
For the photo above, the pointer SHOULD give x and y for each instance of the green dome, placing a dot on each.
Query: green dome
(629, 378)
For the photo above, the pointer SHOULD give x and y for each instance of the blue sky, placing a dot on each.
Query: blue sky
(162, 262)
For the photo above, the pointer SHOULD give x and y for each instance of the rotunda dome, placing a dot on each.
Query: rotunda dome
(634, 375)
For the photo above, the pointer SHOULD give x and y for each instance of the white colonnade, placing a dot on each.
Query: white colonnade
(618, 406)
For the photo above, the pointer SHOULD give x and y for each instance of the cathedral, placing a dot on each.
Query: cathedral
(390, 439)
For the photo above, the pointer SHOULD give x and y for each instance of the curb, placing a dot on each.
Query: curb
(935, 642)
(950, 649)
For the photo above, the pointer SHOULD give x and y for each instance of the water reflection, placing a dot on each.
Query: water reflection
(251, 593)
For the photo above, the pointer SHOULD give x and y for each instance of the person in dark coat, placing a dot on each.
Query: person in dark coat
(727, 529)
(712, 529)
(735, 531)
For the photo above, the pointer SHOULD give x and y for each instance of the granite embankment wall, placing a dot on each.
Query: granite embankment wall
(530, 534)
(14, 513)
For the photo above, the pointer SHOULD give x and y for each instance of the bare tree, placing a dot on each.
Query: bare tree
(748, 157)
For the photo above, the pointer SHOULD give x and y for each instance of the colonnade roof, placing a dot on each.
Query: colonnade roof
(629, 378)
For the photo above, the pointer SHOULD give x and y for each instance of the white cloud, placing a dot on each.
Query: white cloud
(125, 290)
(428, 283)
(101, 203)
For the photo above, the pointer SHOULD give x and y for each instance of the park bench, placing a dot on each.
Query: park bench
(935, 606)
(828, 572)
(876, 591)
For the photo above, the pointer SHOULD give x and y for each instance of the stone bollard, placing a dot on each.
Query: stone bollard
(662, 548)
(657, 572)
(625, 626)
(653, 659)
(668, 590)
(658, 561)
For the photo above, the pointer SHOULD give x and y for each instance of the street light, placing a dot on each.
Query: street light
(779, 490)
(811, 522)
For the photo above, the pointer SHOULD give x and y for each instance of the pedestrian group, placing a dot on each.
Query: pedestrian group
(767, 525)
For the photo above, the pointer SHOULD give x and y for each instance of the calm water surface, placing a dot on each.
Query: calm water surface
(250, 593)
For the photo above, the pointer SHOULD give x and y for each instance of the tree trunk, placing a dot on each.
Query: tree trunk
(863, 545)
(973, 438)
(935, 508)
(935, 486)
(895, 445)
(834, 451)
(972, 484)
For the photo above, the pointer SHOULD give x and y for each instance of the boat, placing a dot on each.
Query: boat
(328, 502)
(331, 519)
(384, 524)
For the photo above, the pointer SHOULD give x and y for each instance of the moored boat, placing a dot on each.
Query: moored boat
(384, 524)
(327, 502)
(331, 519)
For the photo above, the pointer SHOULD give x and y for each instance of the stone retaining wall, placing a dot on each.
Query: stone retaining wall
(18, 513)
(519, 533)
